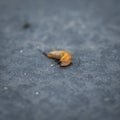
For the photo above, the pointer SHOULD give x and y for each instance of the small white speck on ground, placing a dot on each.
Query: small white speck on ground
(21, 51)
(37, 93)
(5, 88)
(52, 65)
(25, 73)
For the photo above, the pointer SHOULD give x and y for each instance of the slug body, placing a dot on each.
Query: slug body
(63, 56)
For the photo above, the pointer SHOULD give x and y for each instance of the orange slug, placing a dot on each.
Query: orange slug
(63, 56)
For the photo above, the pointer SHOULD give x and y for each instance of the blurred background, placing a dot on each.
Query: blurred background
(31, 88)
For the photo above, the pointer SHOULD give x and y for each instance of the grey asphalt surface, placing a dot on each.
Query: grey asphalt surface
(31, 88)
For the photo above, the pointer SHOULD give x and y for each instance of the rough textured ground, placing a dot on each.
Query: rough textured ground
(32, 89)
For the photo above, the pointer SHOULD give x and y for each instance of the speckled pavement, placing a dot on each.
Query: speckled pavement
(31, 88)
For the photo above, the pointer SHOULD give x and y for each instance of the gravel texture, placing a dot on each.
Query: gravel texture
(31, 88)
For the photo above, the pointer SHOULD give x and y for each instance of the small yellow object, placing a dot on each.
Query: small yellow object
(63, 56)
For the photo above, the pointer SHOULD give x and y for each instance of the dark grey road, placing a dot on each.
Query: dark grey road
(31, 88)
